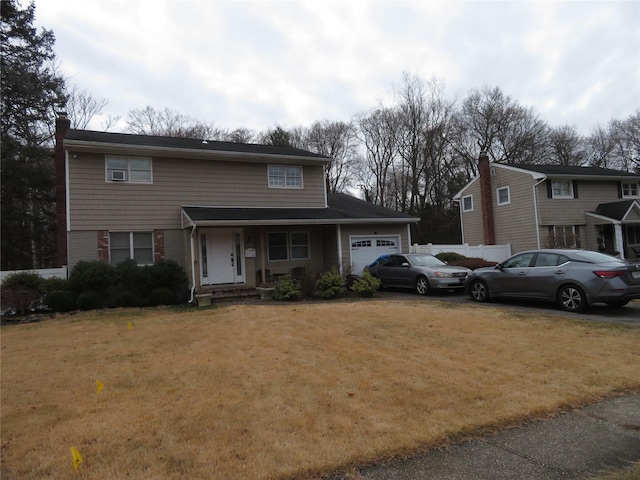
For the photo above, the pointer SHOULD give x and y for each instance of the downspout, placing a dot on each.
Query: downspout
(535, 210)
(193, 263)
(339, 235)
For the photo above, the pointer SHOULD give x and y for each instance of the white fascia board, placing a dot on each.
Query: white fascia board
(602, 217)
(535, 175)
(458, 195)
(285, 222)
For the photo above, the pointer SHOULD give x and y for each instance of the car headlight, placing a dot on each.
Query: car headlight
(442, 275)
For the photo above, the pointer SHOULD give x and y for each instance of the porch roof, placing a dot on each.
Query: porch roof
(341, 209)
(616, 212)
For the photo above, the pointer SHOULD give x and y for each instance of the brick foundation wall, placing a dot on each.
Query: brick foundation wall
(103, 246)
(158, 245)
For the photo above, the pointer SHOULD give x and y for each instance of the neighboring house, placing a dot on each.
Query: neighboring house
(229, 213)
(537, 206)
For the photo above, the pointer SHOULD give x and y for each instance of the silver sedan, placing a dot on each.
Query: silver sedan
(417, 271)
(572, 278)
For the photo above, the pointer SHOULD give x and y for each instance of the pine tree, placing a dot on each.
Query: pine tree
(32, 91)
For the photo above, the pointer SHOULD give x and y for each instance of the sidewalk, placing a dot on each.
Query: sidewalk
(572, 445)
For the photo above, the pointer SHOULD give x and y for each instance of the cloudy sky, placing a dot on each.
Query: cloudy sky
(258, 64)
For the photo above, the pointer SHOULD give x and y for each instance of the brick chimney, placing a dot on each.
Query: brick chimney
(62, 125)
(485, 198)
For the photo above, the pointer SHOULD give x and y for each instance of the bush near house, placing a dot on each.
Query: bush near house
(93, 285)
(331, 284)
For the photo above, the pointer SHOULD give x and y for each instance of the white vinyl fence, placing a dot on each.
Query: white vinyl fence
(492, 253)
(43, 272)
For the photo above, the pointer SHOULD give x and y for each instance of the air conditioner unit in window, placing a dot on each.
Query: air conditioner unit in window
(118, 175)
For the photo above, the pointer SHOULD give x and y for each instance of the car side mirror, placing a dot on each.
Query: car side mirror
(405, 264)
(499, 266)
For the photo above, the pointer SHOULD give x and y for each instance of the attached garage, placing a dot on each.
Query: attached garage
(365, 249)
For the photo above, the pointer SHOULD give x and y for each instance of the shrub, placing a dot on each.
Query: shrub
(450, 257)
(22, 292)
(60, 301)
(90, 300)
(161, 296)
(367, 286)
(91, 276)
(168, 274)
(330, 284)
(55, 284)
(125, 299)
(287, 288)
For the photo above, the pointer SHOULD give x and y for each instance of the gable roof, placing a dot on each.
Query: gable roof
(617, 210)
(88, 140)
(341, 209)
(555, 171)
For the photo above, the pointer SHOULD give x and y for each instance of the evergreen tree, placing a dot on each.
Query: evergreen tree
(31, 92)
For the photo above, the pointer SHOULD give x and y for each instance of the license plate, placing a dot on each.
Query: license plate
(635, 274)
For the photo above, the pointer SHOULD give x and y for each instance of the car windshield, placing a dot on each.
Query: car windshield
(425, 261)
(595, 257)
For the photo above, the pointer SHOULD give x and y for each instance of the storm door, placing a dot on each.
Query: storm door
(221, 256)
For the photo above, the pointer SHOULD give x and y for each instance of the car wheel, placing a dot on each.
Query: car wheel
(479, 291)
(572, 299)
(422, 285)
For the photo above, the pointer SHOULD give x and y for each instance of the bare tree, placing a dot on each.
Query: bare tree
(378, 131)
(626, 139)
(82, 107)
(149, 121)
(600, 145)
(336, 140)
(568, 147)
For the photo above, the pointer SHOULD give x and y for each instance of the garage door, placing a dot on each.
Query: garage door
(365, 250)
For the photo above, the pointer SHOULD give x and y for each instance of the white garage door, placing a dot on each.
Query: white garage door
(365, 250)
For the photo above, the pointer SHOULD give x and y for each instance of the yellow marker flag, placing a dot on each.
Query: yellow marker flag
(77, 458)
(99, 386)
(130, 325)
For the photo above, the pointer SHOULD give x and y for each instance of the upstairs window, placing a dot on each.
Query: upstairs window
(503, 195)
(562, 189)
(285, 176)
(128, 169)
(630, 190)
(467, 203)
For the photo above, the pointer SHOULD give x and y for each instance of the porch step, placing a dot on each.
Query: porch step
(228, 292)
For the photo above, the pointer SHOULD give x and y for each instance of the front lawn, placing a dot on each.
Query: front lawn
(292, 390)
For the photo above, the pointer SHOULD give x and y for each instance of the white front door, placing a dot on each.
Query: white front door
(221, 256)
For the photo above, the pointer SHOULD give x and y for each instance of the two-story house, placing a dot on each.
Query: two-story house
(546, 206)
(229, 213)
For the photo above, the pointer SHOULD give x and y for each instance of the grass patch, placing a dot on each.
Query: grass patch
(280, 391)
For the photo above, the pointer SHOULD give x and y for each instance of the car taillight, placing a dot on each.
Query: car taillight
(610, 273)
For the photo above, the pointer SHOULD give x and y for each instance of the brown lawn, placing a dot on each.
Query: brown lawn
(291, 390)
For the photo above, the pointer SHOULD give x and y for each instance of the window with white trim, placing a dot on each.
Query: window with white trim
(285, 246)
(562, 189)
(503, 195)
(467, 203)
(131, 245)
(128, 169)
(299, 245)
(285, 176)
(630, 190)
(564, 236)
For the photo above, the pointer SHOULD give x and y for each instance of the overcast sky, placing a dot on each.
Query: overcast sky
(258, 64)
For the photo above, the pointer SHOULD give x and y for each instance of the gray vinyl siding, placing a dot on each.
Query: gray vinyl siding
(570, 211)
(515, 223)
(97, 204)
(472, 221)
(174, 246)
(83, 246)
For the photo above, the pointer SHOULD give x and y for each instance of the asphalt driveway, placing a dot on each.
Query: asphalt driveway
(629, 314)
